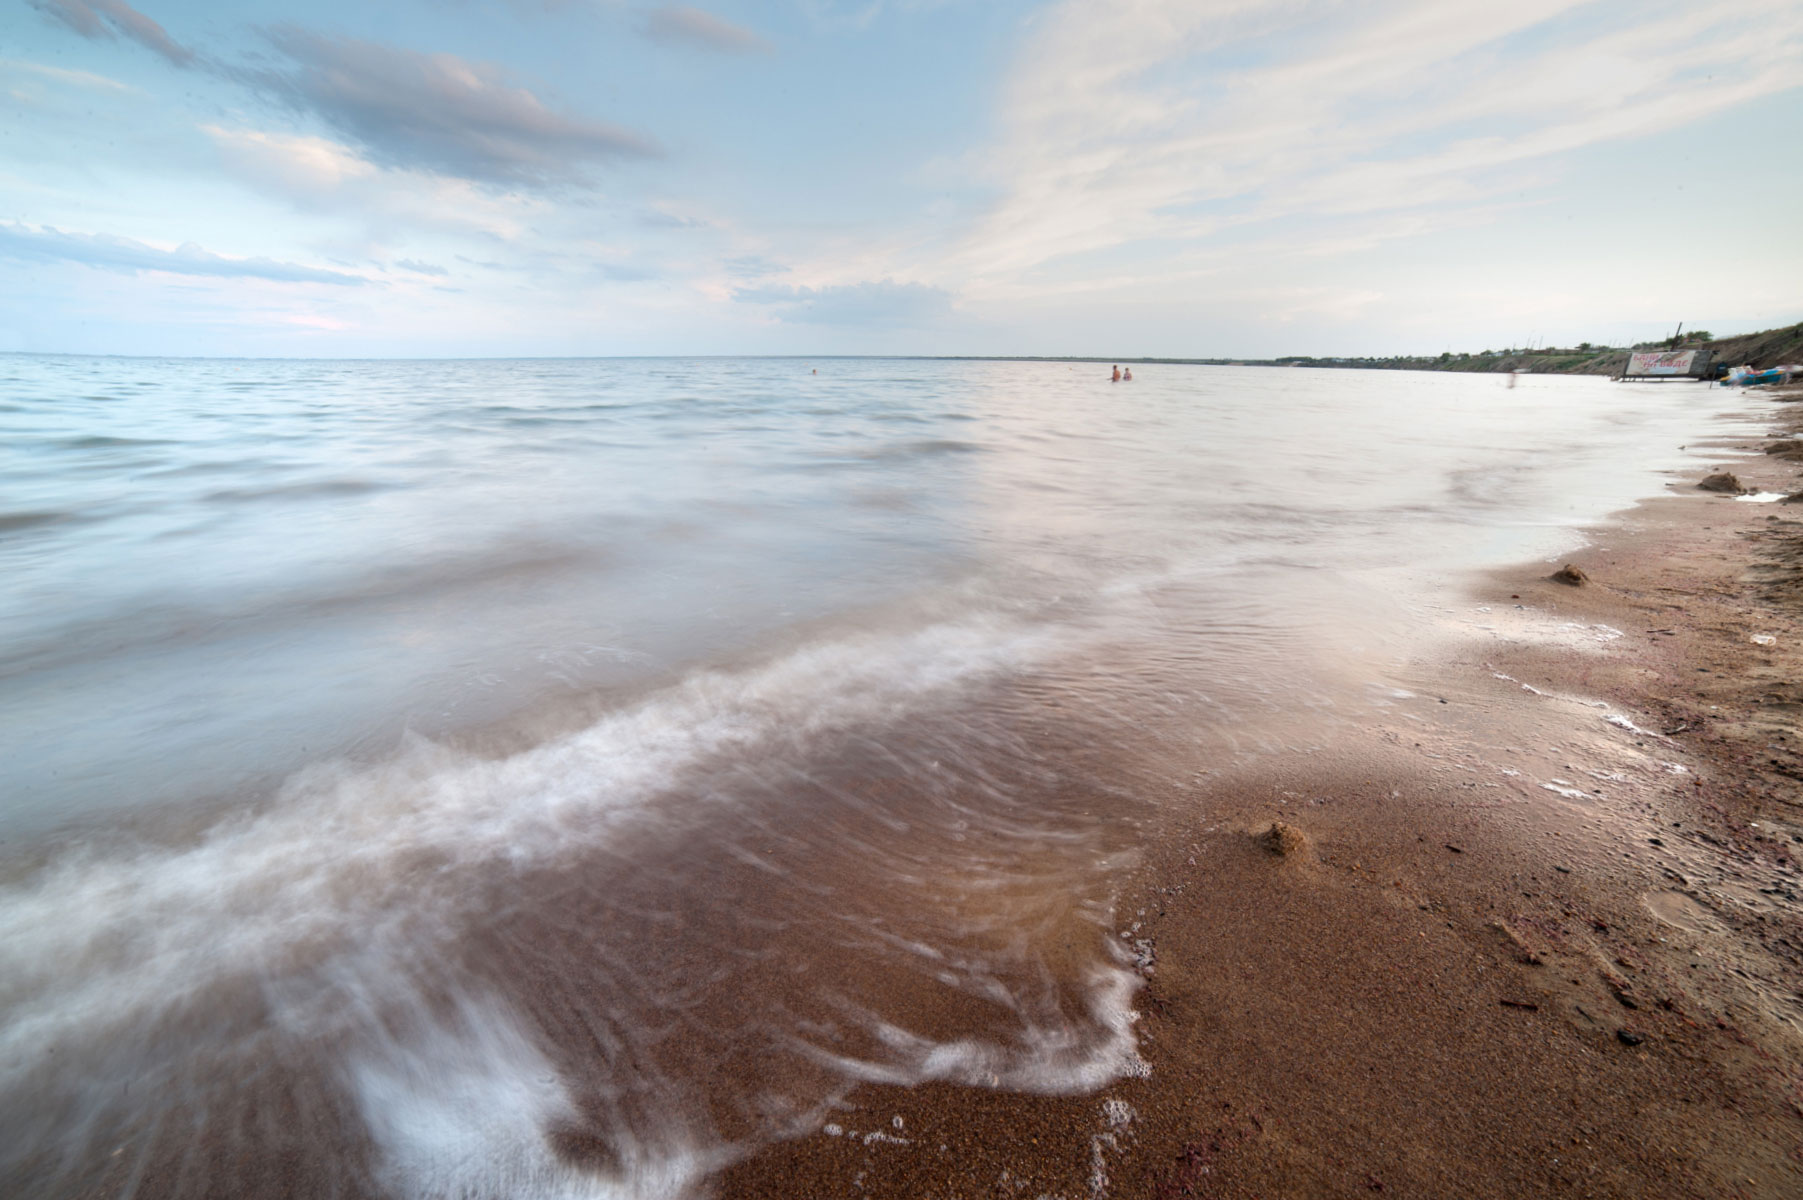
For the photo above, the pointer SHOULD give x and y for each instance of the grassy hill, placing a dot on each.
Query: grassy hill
(1768, 348)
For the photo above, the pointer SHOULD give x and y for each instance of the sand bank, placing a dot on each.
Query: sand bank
(1534, 932)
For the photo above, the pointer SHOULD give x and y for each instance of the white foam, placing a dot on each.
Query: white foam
(1511, 679)
(463, 1106)
(1117, 1116)
(1762, 498)
(877, 1136)
(1572, 632)
(1049, 1056)
(368, 863)
(1621, 722)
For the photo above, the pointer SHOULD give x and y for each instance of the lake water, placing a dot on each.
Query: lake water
(558, 778)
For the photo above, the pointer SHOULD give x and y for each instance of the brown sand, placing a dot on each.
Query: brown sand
(1503, 943)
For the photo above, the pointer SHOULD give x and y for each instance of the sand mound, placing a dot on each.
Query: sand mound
(1722, 481)
(1283, 839)
(1570, 574)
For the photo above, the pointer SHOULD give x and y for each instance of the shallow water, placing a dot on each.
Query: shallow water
(560, 777)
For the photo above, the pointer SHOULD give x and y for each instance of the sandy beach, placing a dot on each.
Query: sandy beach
(1533, 933)
(1050, 600)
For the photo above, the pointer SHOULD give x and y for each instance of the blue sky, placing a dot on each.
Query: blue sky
(1163, 177)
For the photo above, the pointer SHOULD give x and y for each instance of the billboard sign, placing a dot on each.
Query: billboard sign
(1653, 362)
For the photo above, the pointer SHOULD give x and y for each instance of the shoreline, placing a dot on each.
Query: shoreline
(1510, 942)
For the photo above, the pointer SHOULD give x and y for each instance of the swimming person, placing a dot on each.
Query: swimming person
(1117, 374)
(1127, 375)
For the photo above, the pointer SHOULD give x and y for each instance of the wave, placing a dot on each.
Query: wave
(463, 1108)
(13, 522)
(344, 844)
(923, 448)
(333, 930)
(99, 442)
(299, 491)
(138, 622)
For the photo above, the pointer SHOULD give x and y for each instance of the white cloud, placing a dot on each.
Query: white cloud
(302, 167)
(87, 79)
(870, 302)
(680, 25)
(322, 175)
(414, 219)
(1170, 121)
(438, 112)
(111, 253)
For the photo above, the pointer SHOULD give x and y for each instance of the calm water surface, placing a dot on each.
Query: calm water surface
(558, 778)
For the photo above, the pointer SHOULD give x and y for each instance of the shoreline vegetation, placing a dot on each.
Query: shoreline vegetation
(1536, 934)
(1767, 348)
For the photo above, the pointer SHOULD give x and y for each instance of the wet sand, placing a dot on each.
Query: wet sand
(1536, 931)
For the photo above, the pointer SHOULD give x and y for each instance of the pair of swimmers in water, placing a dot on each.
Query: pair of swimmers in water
(1123, 376)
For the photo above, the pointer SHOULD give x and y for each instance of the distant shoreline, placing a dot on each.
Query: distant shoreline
(1767, 348)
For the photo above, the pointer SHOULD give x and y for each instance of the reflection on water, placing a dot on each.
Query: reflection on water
(559, 778)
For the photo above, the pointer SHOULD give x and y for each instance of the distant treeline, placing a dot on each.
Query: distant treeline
(1768, 348)
(1584, 359)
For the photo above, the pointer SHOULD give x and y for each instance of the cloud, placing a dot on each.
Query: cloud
(303, 168)
(1204, 124)
(437, 111)
(320, 175)
(109, 18)
(679, 25)
(751, 266)
(65, 75)
(657, 218)
(399, 210)
(868, 303)
(109, 253)
(834, 15)
(621, 272)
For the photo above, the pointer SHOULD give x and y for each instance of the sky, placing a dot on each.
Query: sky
(1208, 178)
